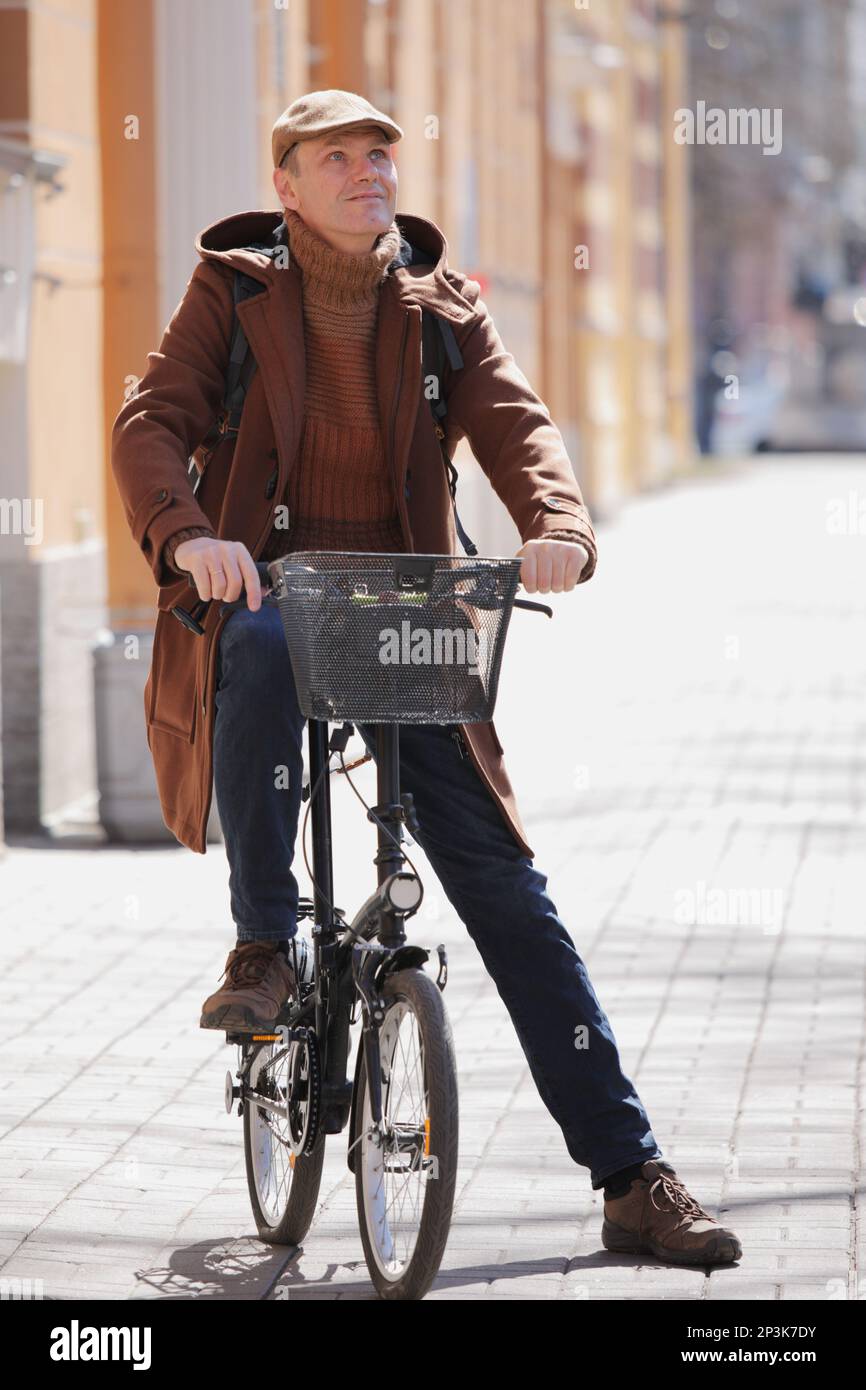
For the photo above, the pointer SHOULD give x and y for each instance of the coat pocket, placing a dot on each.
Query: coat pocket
(172, 704)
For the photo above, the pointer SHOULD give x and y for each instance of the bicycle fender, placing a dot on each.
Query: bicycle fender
(404, 958)
(353, 1114)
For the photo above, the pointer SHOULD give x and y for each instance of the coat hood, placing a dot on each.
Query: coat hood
(247, 241)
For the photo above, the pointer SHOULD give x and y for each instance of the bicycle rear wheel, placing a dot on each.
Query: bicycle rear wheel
(283, 1185)
(405, 1176)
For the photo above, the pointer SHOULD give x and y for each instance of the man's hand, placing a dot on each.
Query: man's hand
(551, 567)
(220, 569)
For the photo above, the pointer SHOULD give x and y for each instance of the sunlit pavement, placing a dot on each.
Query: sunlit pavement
(686, 741)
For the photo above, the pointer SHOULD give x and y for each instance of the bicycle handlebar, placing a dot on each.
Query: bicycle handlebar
(190, 621)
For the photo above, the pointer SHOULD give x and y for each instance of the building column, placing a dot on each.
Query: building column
(166, 175)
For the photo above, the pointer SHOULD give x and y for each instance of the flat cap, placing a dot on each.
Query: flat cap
(319, 112)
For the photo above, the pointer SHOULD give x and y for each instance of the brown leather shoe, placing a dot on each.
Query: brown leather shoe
(659, 1216)
(259, 980)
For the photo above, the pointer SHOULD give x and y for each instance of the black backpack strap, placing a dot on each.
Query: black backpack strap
(438, 343)
(239, 372)
(242, 364)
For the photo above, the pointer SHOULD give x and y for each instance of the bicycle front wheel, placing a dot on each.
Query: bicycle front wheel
(406, 1168)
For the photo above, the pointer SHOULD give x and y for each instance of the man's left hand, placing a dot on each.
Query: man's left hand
(551, 566)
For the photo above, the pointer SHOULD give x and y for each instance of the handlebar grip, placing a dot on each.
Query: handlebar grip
(241, 601)
(261, 569)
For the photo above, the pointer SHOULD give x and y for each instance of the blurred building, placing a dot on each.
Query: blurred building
(780, 238)
(537, 136)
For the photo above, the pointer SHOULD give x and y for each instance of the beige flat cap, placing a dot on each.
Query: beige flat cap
(319, 112)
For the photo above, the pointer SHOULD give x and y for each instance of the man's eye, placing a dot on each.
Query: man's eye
(340, 153)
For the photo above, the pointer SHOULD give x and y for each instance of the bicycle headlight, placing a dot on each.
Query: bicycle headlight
(404, 892)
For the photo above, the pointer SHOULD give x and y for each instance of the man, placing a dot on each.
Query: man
(337, 437)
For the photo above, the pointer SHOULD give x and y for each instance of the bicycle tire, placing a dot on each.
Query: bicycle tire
(417, 990)
(300, 1208)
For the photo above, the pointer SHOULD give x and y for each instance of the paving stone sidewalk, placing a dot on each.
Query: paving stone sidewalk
(686, 739)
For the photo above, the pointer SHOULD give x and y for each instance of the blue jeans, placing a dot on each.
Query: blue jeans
(496, 892)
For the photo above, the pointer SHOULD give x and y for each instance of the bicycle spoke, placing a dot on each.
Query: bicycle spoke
(271, 1136)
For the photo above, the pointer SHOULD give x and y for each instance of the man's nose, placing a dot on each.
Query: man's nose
(366, 168)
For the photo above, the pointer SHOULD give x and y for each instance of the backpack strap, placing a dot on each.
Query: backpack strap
(239, 373)
(437, 343)
(242, 364)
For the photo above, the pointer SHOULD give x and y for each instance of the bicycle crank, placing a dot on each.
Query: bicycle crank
(287, 1090)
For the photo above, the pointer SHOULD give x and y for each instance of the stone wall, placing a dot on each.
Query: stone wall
(51, 610)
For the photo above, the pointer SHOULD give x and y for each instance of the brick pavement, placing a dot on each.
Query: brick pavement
(693, 788)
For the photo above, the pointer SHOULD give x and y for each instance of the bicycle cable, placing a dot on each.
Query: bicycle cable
(326, 768)
(374, 817)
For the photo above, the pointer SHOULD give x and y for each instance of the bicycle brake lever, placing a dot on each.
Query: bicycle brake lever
(186, 617)
(539, 607)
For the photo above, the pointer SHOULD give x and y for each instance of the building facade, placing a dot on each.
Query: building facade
(537, 136)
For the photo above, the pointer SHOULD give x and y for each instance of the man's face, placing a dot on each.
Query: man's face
(346, 187)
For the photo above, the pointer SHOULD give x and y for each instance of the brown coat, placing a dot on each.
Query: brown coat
(490, 402)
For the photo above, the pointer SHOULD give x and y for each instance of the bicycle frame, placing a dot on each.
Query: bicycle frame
(373, 945)
(293, 1088)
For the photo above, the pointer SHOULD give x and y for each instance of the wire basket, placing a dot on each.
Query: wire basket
(400, 639)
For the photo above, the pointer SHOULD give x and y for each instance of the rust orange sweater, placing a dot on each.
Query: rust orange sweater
(340, 493)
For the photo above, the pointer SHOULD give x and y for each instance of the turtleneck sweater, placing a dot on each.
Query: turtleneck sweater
(340, 495)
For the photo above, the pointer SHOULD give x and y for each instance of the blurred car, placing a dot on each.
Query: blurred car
(825, 407)
(808, 395)
(747, 423)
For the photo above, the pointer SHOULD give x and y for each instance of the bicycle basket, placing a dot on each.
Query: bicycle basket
(387, 638)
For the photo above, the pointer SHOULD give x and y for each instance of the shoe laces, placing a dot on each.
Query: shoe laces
(250, 964)
(678, 1197)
